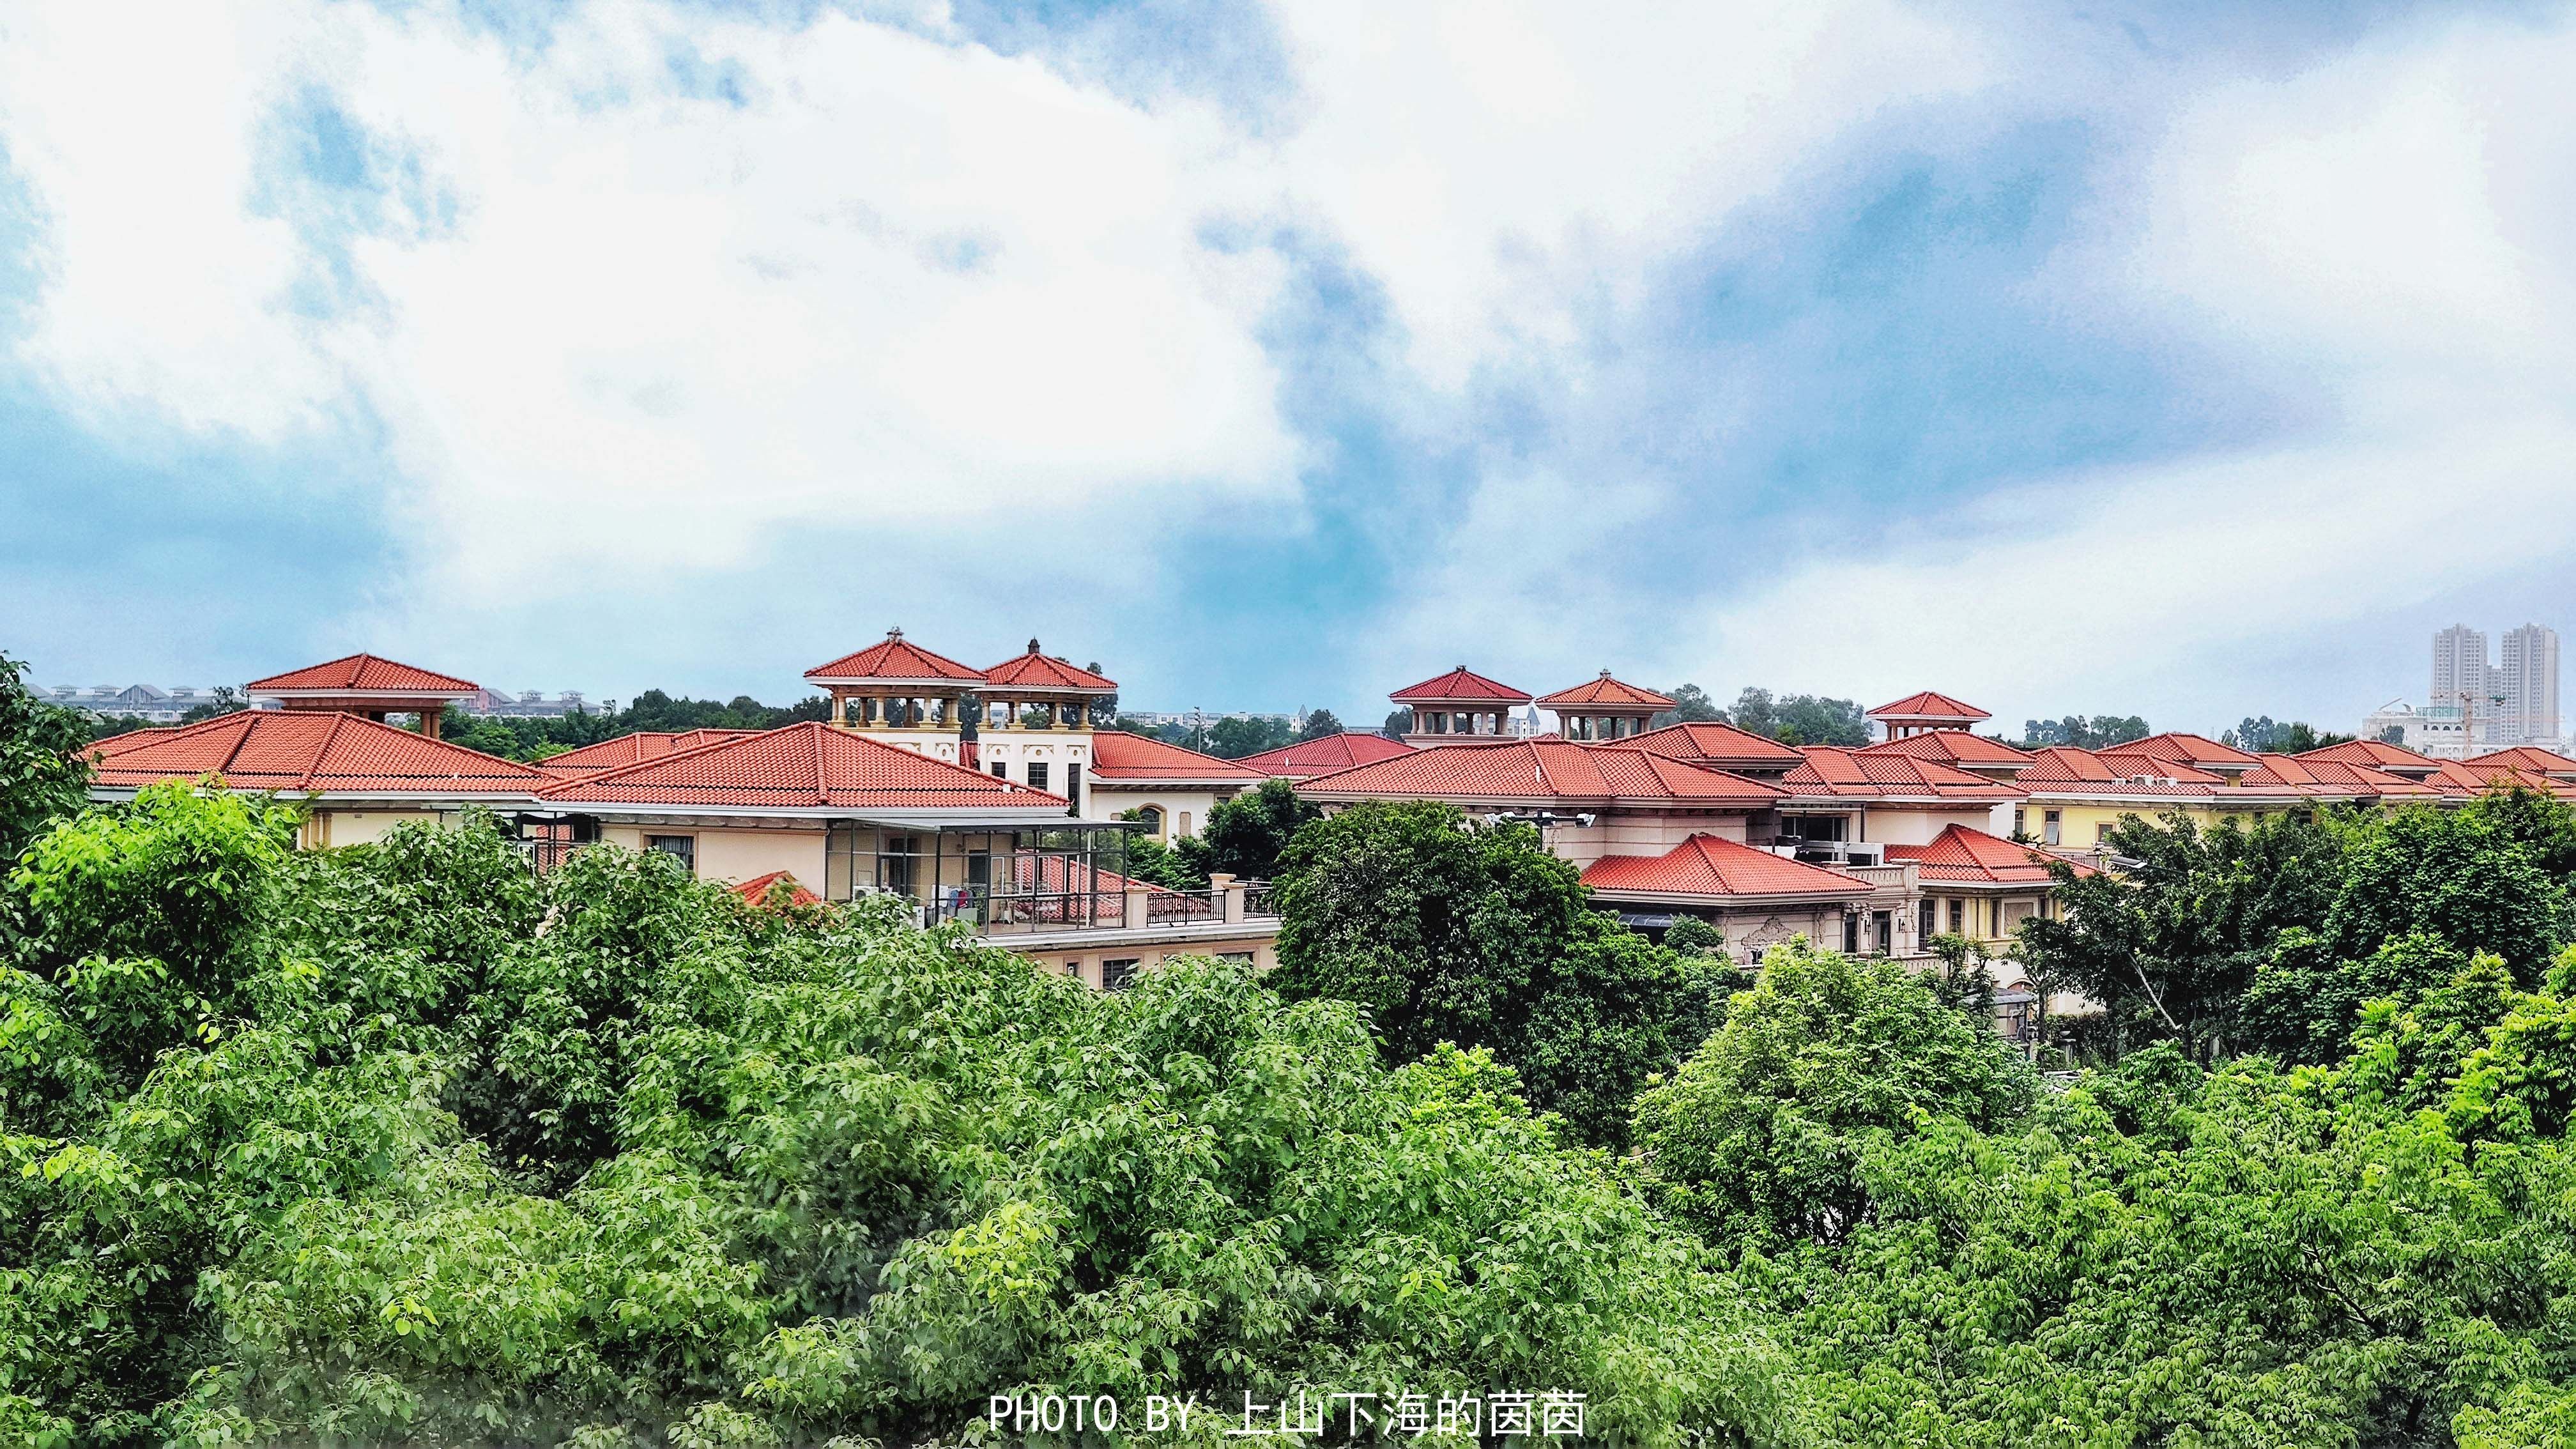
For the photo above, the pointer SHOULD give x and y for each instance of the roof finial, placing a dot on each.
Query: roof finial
(894, 633)
(1605, 674)
(1033, 646)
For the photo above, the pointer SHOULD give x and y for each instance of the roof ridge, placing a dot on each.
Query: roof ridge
(822, 765)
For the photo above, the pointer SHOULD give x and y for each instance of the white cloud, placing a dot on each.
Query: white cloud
(2388, 232)
(607, 319)
(1500, 165)
(906, 280)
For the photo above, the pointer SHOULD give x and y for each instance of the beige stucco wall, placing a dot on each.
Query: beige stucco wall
(334, 828)
(737, 855)
(1185, 810)
(1638, 834)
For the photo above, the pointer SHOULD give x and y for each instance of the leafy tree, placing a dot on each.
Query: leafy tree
(1320, 724)
(1235, 737)
(1149, 859)
(1399, 723)
(468, 1157)
(1246, 835)
(1692, 936)
(2169, 945)
(1966, 982)
(2082, 733)
(2464, 876)
(44, 776)
(1448, 932)
(1760, 1138)
(1691, 704)
(2261, 735)
(1801, 719)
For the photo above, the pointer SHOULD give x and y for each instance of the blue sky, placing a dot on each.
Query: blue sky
(2194, 360)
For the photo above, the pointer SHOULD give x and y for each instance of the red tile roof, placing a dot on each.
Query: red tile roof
(1952, 747)
(309, 752)
(1460, 684)
(1960, 855)
(2065, 769)
(361, 672)
(2461, 779)
(2378, 754)
(2528, 757)
(2333, 779)
(1722, 745)
(1609, 692)
(1317, 757)
(756, 890)
(1033, 670)
(2198, 751)
(807, 765)
(1118, 757)
(1929, 704)
(626, 749)
(1838, 773)
(1705, 865)
(1554, 772)
(892, 659)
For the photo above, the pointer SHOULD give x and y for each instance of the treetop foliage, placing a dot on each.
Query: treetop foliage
(404, 1145)
(2098, 732)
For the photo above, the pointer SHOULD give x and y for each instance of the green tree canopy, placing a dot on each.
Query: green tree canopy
(1319, 724)
(1246, 835)
(2085, 734)
(1447, 931)
(1234, 737)
(1759, 1140)
(1800, 719)
(454, 1155)
(44, 776)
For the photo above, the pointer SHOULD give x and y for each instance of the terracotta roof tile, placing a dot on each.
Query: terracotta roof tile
(2198, 751)
(2528, 757)
(1460, 684)
(1838, 773)
(1119, 757)
(363, 672)
(1951, 747)
(1333, 752)
(1706, 865)
(756, 890)
(895, 659)
(2332, 779)
(1974, 857)
(2463, 779)
(1034, 670)
(1929, 704)
(1606, 691)
(310, 752)
(1722, 745)
(807, 765)
(2379, 754)
(1545, 771)
(626, 749)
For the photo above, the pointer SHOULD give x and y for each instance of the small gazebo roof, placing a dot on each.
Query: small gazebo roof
(895, 660)
(1606, 695)
(1034, 671)
(1461, 686)
(362, 676)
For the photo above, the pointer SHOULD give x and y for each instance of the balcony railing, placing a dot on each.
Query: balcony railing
(1171, 908)
(1260, 898)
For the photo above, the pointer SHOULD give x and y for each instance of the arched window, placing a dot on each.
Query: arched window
(1152, 815)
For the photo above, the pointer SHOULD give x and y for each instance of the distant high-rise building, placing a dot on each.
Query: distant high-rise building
(2528, 686)
(2497, 706)
(2460, 667)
